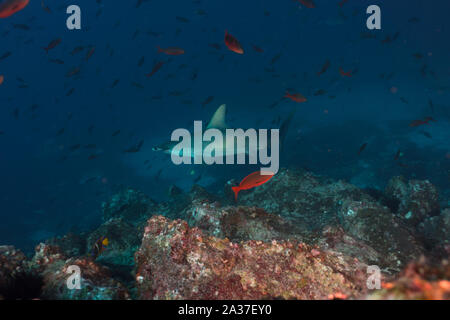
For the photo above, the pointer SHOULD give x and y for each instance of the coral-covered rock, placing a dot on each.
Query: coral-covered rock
(309, 199)
(379, 228)
(175, 207)
(71, 244)
(314, 204)
(298, 236)
(178, 201)
(199, 193)
(417, 199)
(206, 216)
(17, 279)
(12, 261)
(436, 232)
(130, 205)
(252, 223)
(96, 282)
(46, 255)
(241, 223)
(123, 238)
(419, 281)
(336, 239)
(179, 262)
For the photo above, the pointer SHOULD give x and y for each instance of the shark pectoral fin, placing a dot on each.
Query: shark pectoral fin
(218, 119)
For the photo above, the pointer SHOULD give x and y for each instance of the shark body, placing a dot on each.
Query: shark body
(218, 122)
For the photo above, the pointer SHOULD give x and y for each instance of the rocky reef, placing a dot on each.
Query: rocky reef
(179, 262)
(299, 236)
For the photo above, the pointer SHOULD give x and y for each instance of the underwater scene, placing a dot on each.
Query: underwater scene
(224, 150)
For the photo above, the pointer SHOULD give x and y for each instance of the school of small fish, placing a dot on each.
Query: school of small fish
(167, 54)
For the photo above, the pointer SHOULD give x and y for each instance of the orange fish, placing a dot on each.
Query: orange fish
(297, 97)
(52, 44)
(253, 180)
(345, 74)
(99, 246)
(2, 78)
(232, 43)
(9, 7)
(172, 51)
(307, 3)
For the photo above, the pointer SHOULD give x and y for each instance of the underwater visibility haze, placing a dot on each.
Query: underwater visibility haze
(358, 206)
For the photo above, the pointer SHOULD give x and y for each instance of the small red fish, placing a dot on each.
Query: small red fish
(156, 67)
(9, 7)
(172, 51)
(52, 44)
(2, 78)
(232, 43)
(345, 74)
(72, 72)
(307, 3)
(297, 97)
(90, 53)
(253, 180)
(417, 123)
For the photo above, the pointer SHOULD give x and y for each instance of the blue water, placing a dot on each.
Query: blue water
(46, 189)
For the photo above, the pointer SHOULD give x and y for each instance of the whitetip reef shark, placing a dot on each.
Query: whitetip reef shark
(255, 144)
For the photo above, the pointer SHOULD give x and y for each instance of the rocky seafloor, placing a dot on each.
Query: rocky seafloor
(299, 236)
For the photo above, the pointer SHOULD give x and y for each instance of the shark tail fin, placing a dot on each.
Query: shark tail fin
(218, 119)
(236, 191)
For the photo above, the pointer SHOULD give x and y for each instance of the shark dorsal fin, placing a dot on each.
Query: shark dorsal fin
(218, 119)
